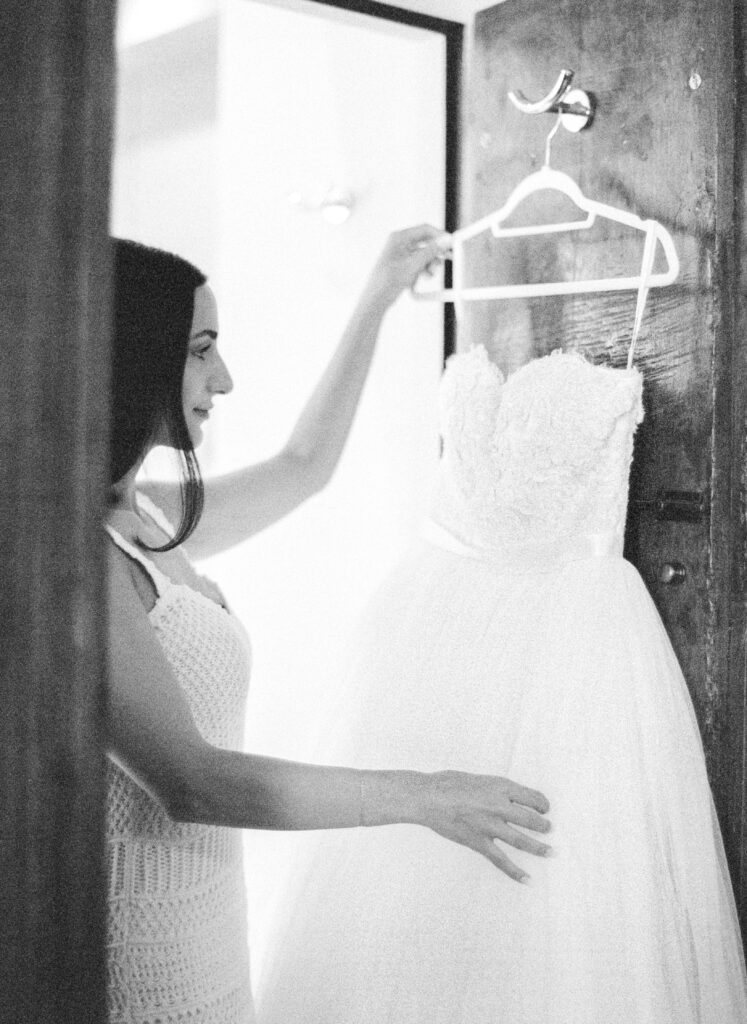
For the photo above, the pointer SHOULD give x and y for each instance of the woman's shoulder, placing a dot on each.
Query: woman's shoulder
(129, 568)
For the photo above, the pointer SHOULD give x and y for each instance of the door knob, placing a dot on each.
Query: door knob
(672, 574)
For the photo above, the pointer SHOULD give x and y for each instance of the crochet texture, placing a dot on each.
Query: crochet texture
(177, 942)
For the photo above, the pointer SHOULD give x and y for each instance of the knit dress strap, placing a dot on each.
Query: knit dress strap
(160, 580)
(151, 509)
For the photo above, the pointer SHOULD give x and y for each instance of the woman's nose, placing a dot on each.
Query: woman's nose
(222, 382)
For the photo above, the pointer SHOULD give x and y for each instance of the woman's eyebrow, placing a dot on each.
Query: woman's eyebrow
(210, 334)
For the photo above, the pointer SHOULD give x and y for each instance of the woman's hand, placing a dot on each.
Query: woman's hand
(475, 810)
(406, 255)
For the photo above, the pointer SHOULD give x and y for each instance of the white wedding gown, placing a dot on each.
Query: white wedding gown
(516, 640)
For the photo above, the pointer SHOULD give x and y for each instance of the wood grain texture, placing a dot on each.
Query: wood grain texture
(56, 65)
(732, 757)
(663, 148)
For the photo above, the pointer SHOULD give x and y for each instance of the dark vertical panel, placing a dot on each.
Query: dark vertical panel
(454, 46)
(56, 64)
(733, 717)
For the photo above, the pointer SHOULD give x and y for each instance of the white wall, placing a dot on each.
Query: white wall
(333, 105)
(164, 174)
(249, 105)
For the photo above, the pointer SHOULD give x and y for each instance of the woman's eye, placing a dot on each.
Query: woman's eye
(201, 353)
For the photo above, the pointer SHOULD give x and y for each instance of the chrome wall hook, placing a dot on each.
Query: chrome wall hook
(574, 106)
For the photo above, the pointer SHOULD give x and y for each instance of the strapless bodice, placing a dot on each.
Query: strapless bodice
(537, 460)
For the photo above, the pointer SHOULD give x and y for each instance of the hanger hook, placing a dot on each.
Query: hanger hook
(547, 103)
(550, 137)
(576, 106)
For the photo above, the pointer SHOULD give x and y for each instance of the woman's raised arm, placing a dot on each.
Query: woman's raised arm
(241, 503)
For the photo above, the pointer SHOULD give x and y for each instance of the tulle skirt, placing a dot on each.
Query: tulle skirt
(565, 681)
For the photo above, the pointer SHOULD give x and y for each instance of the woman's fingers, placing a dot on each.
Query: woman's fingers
(434, 252)
(519, 815)
(428, 261)
(528, 797)
(497, 857)
(482, 811)
(523, 842)
(406, 255)
(420, 235)
(425, 244)
(430, 254)
(488, 846)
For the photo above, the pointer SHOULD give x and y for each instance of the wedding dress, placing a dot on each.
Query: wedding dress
(515, 639)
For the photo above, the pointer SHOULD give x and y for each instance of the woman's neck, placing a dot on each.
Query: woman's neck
(123, 494)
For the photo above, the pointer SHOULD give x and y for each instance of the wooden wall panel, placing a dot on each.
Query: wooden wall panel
(732, 782)
(56, 67)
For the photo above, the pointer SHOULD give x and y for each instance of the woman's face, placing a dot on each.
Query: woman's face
(205, 373)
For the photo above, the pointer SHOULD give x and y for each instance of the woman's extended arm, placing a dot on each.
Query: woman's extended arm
(246, 501)
(153, 737)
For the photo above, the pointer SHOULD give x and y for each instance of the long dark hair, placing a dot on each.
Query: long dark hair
(153, 311)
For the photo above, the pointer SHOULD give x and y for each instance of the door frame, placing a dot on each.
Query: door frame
(56, 107)
(729, 483)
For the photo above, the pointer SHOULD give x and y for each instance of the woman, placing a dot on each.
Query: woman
(180, 661)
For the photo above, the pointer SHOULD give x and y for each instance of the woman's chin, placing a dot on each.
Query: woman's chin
(195, 430)
(196, 425)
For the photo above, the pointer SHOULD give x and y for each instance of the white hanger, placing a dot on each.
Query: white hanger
(549, 179)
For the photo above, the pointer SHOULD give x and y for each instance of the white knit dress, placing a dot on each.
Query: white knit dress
(177, 932)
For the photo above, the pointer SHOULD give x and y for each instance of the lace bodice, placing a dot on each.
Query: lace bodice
(539, 458)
